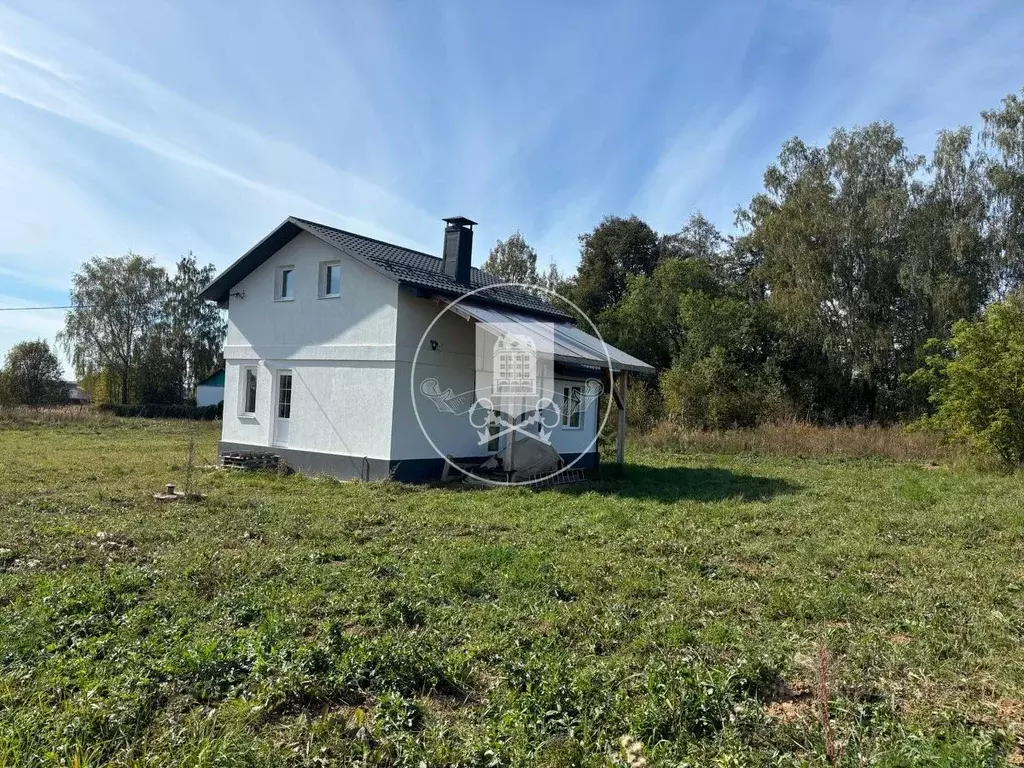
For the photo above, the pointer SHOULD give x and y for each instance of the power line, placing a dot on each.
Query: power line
(25, 309)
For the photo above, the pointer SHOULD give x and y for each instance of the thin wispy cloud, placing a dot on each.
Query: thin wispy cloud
(164, 127)
(689, 168)
(150, 116)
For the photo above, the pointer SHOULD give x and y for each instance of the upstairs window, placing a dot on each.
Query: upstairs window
(330, 279)
(284, 288)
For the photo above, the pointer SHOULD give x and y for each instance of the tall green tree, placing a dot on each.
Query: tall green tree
(514, 260)
(647, 322)
(116, 301)
(614, 250)
(32, 375)
(1004, 134)
(950, 265)
(193, 328)
(158, 375)
(830, 230)
(722, 376)
(700, 239)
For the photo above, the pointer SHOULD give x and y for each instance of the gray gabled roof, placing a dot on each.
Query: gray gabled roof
(419, 271)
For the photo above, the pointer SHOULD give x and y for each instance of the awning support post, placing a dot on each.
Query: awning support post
(620, 432)
(510, 440)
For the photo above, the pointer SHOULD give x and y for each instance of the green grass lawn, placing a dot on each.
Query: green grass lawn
(296, 620)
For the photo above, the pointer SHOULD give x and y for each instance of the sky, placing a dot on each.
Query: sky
(164, 127)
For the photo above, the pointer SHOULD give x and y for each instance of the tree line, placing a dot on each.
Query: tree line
(862, 283)
(826, 299)
(135, 333)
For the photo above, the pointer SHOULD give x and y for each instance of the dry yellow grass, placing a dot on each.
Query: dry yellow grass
(23, 416)
(803, 439)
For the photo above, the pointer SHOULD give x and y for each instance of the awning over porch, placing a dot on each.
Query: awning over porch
(572, 346)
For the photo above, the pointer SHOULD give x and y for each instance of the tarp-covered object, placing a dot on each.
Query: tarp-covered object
(532, 457)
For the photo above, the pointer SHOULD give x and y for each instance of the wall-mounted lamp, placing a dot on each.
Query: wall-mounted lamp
(433, 345)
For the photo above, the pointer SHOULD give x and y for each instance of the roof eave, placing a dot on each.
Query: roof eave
(574, 364)
(443, 295)
(220, 287)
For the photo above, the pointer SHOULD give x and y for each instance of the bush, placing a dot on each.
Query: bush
(166, 411)
(714, 393)
(32, 376)
(976, 382)
(644, 406)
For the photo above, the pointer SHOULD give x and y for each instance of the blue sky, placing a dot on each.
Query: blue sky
(164, 127)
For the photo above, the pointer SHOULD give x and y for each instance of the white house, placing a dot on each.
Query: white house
(341, 358)
(210, 390)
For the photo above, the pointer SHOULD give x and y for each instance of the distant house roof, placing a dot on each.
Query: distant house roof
(215, 379)
(410, 268)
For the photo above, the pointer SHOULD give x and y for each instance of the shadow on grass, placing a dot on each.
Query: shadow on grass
(672, 484)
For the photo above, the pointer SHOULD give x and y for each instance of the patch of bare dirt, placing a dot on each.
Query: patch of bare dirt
(1010, 712)
(790, 701)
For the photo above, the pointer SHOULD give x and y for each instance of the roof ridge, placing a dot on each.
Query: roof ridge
(404, 265)
(378, 240)
(365, 237)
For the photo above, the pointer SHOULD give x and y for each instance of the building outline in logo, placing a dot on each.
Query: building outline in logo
(515, 366)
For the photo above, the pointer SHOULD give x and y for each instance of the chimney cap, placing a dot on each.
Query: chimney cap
(459, 221)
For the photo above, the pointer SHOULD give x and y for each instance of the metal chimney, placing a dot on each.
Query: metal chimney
(458, 248)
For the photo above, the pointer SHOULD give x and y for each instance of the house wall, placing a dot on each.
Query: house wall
(340, 351)
(453, 364)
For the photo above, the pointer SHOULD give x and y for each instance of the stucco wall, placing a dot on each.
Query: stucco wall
(340, 352)
(579, 440)
(358, 325)
(451, 363)
(252, 430)
(342, 407)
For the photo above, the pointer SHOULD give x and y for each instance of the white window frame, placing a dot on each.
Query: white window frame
(571, 393)
(243, 399)
(279, 283)
(325, 266)
(281, 373)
